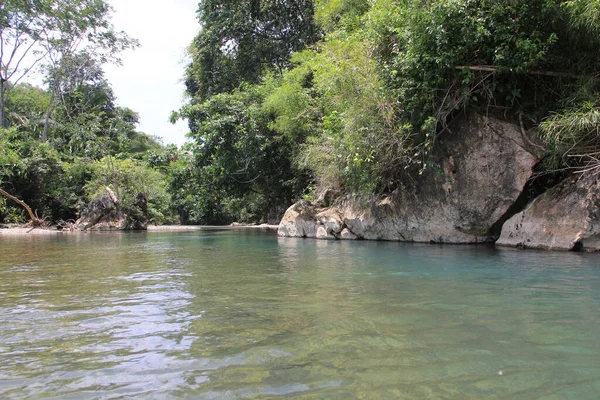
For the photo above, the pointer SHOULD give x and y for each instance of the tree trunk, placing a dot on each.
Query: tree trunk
(488, 68)
(47, 118)
(2, 100)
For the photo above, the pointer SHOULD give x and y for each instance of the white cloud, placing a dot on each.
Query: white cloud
(149, 81)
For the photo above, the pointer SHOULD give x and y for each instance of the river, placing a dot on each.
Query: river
(245, 314)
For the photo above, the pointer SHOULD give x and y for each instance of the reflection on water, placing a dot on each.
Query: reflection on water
(242, 314)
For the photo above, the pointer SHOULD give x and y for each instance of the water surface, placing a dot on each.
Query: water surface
(244, 314)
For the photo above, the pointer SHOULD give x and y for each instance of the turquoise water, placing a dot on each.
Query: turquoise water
(244, 314)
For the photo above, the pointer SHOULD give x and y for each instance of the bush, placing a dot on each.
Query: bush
(128, 177)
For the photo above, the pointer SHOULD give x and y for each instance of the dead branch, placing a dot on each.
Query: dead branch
(35, 221)
(68, 225)
(487, 68)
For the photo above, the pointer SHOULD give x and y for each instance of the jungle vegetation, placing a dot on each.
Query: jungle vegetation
(288, 98)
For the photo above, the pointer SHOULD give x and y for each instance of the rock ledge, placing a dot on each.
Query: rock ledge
(482, 167)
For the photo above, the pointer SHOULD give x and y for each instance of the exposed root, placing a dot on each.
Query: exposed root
(68, 225)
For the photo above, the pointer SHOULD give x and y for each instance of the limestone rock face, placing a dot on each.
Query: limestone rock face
(347, 235)
(331, 220)
(481, 169)
(566, 217)
(298, 221)
(102, 214)
(323, 234)
(327, 196)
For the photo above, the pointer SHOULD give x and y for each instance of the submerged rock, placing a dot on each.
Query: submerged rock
(482, 167)
(566, 217)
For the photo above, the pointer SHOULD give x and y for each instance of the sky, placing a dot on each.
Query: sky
(149, 81)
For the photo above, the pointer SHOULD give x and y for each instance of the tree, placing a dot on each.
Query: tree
(23, 24)
(33, 31)
(126, 178)
(89, 123)
(391, 74)
(25, 109)
(34, 219)
(241, 39)
(241, 167)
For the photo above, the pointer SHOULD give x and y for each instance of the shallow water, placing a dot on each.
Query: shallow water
(244, 314)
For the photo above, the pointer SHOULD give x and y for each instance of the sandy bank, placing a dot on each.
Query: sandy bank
(16, 230)
(174, 228)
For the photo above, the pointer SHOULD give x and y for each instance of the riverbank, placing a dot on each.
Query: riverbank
(17, 230)
(175, 228)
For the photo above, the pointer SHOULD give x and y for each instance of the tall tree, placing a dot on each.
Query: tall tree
(242, 169)
(240, 39)
(35, 31)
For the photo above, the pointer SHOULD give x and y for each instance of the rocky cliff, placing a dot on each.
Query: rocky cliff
(478, 175)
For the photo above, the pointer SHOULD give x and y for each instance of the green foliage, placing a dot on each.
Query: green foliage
(86, 126)
(240, 40)
(10, 164)
(32, 172)
(127, 178)
(335, 98)
(66, 141)
(344, 14)
(26, 107)
(86, 122)
(275, 114)
(362, 109)
(52, 32)
(10, 160)
(52, 177)
(73, 196)
(242, 168)
(584, 15)
(369, 101)
(572, 137)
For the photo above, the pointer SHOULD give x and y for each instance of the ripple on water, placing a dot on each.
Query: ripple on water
(248, 315)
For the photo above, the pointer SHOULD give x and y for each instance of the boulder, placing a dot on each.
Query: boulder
(323, 234)
(347, 235)
(478, 173)
(327, 196)
(299, 221)
(331, 220)
(566, 217)
(102, 214)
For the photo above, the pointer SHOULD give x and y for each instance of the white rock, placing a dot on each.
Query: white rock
(347, 235)
(323, 234)
(565, 217)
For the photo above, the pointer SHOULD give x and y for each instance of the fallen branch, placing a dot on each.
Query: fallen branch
(34, 220)
(66, 225)
(487, 68)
